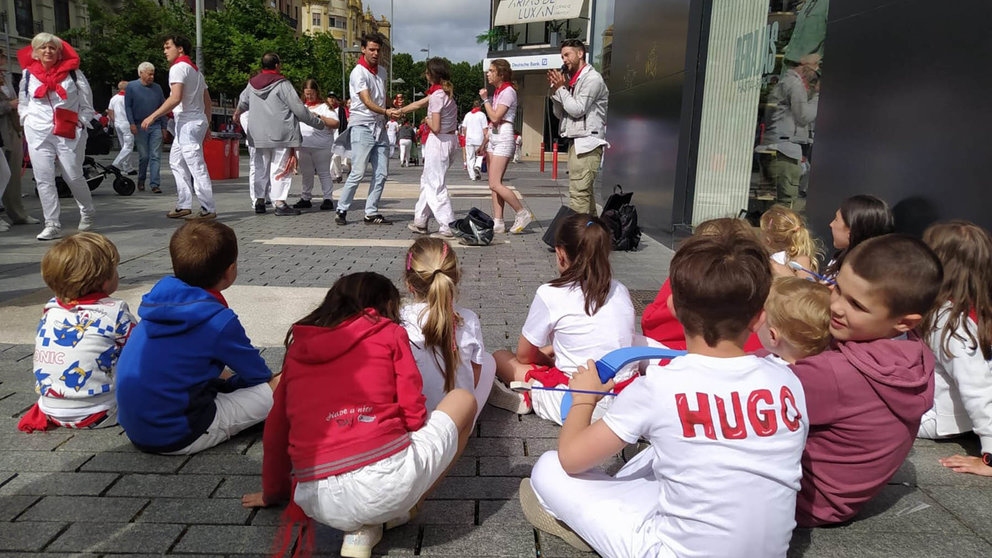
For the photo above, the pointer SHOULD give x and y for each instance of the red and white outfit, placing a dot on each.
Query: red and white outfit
(474, 123)
(438, 149)
(720, 477)
(501, 140)
(348, 438)
(186, 157)
(962, 385)
(557, 317)
(471, 349)
(75, 356)
(39, 97)
(123, 128)
(315, 153)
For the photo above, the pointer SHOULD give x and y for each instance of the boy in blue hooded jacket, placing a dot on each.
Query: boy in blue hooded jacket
(190, 378)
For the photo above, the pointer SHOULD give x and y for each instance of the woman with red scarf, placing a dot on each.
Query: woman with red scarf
(56, 106)
(315, 153)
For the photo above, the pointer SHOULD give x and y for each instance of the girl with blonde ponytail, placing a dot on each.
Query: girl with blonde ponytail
(446, 339)
(788, 240)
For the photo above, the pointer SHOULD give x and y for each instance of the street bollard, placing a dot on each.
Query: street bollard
(554, 161)
(542, 156)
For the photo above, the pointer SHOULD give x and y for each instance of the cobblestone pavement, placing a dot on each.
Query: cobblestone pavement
(91, 493)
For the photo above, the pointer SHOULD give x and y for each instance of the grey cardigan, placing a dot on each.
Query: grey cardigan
(275, 115)
(583, 109)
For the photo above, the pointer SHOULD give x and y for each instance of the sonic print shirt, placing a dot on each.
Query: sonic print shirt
(76, 352)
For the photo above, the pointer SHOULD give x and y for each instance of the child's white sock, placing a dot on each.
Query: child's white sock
(499, 223)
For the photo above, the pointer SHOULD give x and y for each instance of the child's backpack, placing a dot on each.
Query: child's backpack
(475, 229)
(621, 216)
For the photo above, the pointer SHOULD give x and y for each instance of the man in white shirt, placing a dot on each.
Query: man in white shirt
(366, 132)
(391, 127)
(474, 128)
(118, 114)
(189, 102)
(579, 100)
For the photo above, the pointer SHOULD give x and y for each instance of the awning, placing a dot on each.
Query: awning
(512, 12)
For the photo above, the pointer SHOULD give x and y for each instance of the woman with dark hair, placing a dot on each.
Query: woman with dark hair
(500, 143)
(442, 121)
(583, 314)
(859, 218)
(55, 105)
(315, 151)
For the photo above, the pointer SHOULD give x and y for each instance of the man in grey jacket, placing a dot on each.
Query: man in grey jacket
(275, 113)
(579, 100)
(795, 99)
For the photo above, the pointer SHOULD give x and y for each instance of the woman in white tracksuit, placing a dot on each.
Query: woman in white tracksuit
(442, 119)
(315, 152)
(51, 81)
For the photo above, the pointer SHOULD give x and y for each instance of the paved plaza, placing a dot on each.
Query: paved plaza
(90, 493)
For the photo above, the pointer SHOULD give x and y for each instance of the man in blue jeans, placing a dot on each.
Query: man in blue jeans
(141, 98)
(367, 131)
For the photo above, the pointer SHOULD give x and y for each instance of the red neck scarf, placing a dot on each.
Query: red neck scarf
(120, 92)
(575, 78)
(185, 59)
(475, 109)
(374, 70)
(273, 72)
(433, 88)
(51, 79)
(313, 103)
(503, 86)
(86, 299)
(216, 294)
(973, 315)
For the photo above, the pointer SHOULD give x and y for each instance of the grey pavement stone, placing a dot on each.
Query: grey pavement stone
(14, 505)
(220, 511)
(538, 428)
(27, 536)
(173, 486)
(484, 488)
(493, 446)
(445, 512)
(553, 547)
(119, 537)
(969, 505)
(459, 540)
(226, 539)
(515, 466)
(831, 543)
(84, 509)
(236, 486)
(12, 439)
(57, 484)
(495, 514)
(224, 464)
(902, 509)
(100, 440)
(42, 461)
(132, 462)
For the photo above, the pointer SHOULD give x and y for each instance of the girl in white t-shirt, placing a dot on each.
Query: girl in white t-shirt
(583, 314)
(499, 143)
(788, 240)
(442, 120)
(315, 153)
(445, 338)
(959, 332)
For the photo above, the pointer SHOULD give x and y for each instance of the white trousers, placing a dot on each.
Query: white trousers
(392, 144)
(405, 147)
(270, 161)
(315, 161)
(472, 159)
(123, 160)
(43, 150)
(188, 166)
(340, 166)
(615, 515)
(433, 190)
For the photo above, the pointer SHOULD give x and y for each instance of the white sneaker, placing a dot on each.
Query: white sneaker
(499, 228)
(4, 226)
(51, 232)
(505, 398)
(358, 544)
(444, 235)
(521, 221)
(85, 222)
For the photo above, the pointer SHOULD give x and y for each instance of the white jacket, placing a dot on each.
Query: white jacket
(582, 111)
(38, 115)
(962, 383)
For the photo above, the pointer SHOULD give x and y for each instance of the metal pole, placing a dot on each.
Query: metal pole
(392, 23)
(342, 97)
(199, 34)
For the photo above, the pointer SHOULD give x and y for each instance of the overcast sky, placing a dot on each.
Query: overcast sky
(448, 26)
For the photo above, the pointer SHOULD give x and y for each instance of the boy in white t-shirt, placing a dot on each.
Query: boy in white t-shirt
(726, 428)
(189, 102)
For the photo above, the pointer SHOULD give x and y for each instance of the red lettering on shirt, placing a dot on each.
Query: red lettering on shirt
(789, 404)
(739, 431)
(701, 416)
(763, 421)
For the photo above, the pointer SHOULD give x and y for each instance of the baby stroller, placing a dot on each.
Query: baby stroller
(98, 142)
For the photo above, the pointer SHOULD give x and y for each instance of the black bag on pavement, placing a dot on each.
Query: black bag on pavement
(475, 229)
(621, 216)
(551, 233)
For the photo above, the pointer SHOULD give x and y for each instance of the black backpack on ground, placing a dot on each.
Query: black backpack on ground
(621, 216)
(475, 229)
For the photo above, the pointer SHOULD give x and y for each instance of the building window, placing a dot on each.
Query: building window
(24, 18)
(61, 15)
(316, 20)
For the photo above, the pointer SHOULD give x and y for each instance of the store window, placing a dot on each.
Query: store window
(61, 16)
(316, 19)
(24, 18)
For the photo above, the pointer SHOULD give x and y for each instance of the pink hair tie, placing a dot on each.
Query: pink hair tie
(409, 261)
(444, 250)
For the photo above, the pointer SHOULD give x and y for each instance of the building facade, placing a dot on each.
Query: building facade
(23, 19)
(346, 21)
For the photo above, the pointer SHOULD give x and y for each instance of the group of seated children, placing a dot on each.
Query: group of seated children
(376, 398)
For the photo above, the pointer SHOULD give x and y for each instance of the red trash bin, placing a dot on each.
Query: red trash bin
(217, 154)
(234, 161)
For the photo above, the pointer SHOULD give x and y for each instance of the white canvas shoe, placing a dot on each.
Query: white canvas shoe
(85, 222)
(50, 232)
(359, 544)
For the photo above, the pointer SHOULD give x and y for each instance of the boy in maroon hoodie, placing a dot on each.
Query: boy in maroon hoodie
(865, 397)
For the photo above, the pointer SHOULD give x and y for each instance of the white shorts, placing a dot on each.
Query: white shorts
(547, 405)
(236, 411)
(385, 489)
(501, 141)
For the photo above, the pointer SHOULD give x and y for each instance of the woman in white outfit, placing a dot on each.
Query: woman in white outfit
(442, 120)
(56, 105)
(502, 111)
(315, 154)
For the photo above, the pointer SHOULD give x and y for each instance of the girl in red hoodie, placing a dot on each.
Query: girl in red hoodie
(348, 441)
